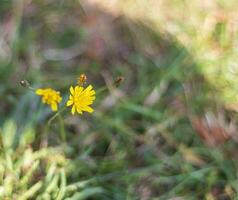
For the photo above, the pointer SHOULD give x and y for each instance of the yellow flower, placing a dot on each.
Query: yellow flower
(50, 97)
(80, 99)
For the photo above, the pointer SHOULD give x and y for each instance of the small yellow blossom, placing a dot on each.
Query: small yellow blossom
(50, 97)
(82, 79)
(80, 99)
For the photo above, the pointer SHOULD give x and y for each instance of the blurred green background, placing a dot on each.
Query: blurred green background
(168, 131)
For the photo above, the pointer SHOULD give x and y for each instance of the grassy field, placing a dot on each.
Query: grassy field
(164, 124)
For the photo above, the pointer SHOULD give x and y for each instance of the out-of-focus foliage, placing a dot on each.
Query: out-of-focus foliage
(26, 173)
(208, 29)
(36, 174)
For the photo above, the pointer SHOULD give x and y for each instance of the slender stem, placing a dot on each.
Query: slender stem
(55, 115)
(31, 88)
(62, 130)
(101, 90)
(116, 84)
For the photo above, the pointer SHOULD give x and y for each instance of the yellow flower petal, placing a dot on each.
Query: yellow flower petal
(54, 106)
(39, 91)
(71, 90)
(80, 99)
(73, 109)
(92, 98)
(90, 87)
(79, 110)
(59, 99)
(88, 109)
(92, 92)
(69, 102)
(50, 97)
(78, 89)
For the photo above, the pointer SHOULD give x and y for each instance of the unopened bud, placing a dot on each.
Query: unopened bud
(119, 80)
(82, 79)
(25, 83)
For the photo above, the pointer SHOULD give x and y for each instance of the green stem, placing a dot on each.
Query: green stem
(101, 90)
(62, 129)
(55, 115)
(115, 84)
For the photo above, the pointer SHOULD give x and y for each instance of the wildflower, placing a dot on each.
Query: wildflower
(50, 97)
(80, 99)
(82, 79)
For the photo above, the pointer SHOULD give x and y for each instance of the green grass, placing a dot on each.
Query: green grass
(142, 141)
